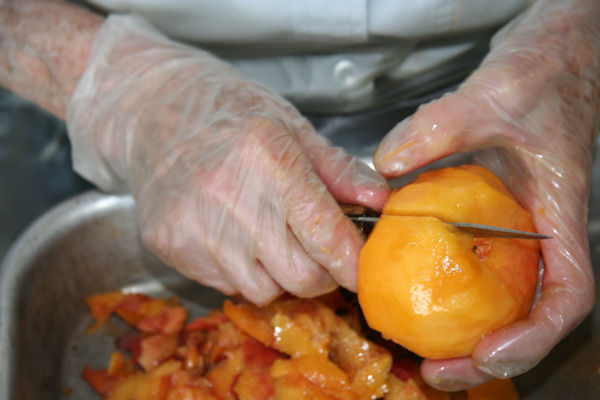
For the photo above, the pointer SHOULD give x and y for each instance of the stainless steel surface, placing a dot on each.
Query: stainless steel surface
(476, 229)
(35, 168)
(495, 231)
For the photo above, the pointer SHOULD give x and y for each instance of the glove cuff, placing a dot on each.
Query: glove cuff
(89, 130)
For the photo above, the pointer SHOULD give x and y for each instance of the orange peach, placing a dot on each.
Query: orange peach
(435, 289)
(496, 389)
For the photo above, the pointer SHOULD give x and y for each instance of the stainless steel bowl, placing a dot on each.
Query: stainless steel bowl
(86, 245)
(90, 244)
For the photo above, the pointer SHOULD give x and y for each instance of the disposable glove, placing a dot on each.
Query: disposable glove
(531, 114)
(233, 187)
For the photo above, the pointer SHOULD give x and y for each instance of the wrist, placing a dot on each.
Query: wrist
(43, 49)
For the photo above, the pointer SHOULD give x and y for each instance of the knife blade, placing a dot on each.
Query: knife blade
(479, 230)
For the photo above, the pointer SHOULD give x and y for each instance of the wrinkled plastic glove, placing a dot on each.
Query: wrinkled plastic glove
(531, 114)
(233, 187)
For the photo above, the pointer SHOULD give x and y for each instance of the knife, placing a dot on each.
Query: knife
(475, 229)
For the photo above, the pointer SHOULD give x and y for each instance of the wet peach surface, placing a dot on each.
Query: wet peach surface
(435, 289)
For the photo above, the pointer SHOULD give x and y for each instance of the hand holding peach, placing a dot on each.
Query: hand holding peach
(530, 113)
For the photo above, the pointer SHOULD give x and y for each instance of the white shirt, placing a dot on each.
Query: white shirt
(328, 53)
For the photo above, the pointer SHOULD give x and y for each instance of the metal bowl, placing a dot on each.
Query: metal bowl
(86, 245)
(90, 244)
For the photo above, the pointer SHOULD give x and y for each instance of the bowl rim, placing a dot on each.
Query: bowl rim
(44, 230)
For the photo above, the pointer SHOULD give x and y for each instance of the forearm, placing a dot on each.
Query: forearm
(44, 46)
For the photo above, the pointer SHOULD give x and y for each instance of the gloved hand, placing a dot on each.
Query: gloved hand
(233, 187)
(531, 113)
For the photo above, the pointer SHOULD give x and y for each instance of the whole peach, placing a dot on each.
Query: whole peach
(435, 289)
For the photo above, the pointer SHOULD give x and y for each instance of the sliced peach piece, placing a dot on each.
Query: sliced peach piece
(496, 389)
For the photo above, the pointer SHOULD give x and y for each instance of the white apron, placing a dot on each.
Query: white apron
(329, 55)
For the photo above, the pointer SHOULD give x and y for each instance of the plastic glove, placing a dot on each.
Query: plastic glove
(531, 110)
(232, 186)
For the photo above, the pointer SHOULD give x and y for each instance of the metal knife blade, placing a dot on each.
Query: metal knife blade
(475, 229)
